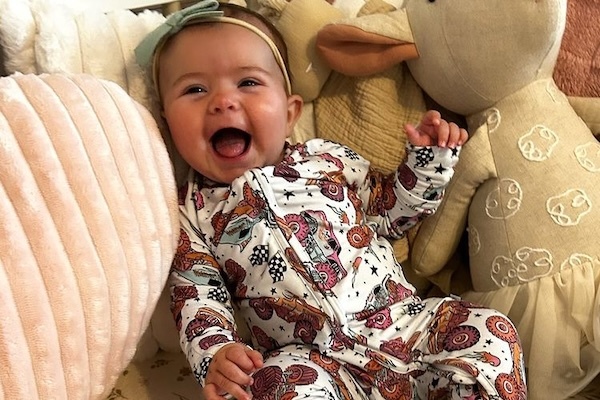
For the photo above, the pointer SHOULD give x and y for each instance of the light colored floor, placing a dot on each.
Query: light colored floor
(165, 377)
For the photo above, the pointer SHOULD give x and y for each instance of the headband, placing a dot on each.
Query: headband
(203, 11)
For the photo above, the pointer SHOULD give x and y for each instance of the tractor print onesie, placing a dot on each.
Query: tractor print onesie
(298, 249)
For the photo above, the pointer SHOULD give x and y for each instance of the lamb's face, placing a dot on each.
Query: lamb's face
(474, 52)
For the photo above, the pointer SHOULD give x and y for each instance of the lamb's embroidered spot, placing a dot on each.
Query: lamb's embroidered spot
(576, 260)
(569, 208)
(588, 156)
(503, 272)
(474, 241)
(527, 264)
(538, 144)
(556, 95)
(493, 118)
(505, 200)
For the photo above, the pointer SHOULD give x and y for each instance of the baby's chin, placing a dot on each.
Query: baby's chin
(227, 177)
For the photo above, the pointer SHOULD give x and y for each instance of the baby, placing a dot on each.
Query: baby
(293, 237)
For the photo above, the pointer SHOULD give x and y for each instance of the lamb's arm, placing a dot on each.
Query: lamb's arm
(439, 235)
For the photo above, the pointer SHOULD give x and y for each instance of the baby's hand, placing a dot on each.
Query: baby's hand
(229, 372)
(433, 130)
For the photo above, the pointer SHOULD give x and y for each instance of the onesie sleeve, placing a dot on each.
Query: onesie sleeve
(398, 201)
(200, 302)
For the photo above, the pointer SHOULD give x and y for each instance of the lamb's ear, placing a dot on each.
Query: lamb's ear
(367, 45)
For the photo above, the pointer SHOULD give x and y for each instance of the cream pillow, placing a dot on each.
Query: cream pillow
(52, 36)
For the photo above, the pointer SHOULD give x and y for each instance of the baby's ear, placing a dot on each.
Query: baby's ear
(299, 23)
(295, 104)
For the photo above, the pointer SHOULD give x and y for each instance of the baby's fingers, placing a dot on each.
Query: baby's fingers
(431, 119)
(415, 137)
(457, 136)
(255, 357)
(443, 133)
(220, 385)
(211, 392)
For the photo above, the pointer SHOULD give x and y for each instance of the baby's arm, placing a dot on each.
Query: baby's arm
(204, 318)
(418, 183)
(201, 305)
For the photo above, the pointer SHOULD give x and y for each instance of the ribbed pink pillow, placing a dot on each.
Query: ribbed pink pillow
(88, 228)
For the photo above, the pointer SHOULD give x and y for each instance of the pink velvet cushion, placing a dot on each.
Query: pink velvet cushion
(88, 227)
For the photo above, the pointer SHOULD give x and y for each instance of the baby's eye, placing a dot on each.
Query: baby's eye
(249, 82)
(194, 89)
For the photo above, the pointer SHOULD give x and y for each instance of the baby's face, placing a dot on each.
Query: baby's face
(224, 100)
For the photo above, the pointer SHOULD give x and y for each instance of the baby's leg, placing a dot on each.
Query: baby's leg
(301, 372)
(471, 351)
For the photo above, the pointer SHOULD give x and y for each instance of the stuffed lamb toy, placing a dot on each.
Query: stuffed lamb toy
(526, 187)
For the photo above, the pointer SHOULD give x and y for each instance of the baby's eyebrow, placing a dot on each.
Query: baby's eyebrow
(254, 68)
(189, 76)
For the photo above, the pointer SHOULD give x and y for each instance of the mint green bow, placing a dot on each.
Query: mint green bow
(144, 52)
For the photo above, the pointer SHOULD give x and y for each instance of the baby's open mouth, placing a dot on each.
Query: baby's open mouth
(230, 142)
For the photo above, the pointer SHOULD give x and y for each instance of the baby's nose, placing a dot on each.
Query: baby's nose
(222, 101)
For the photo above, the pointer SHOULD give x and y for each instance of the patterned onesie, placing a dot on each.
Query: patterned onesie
(299, 248)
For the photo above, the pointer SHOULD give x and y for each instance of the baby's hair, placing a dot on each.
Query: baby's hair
(258, 21)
